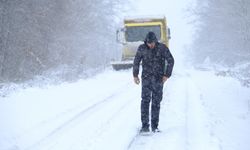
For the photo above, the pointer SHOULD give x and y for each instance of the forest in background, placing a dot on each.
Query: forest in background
(221, 39)
(70, 37)
(67, 39)
(223, 32)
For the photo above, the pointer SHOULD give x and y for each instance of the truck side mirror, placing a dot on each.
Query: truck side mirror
(120, 36)
(169, 35)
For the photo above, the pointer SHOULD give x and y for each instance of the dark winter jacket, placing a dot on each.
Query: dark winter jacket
(157, 62)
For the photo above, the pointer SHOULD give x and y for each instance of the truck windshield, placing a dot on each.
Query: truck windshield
(138, 33)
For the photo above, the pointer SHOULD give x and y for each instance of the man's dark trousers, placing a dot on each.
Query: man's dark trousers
(152, 89)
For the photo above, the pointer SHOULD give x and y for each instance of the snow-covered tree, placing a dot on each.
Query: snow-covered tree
(223, 33)
(41, 35)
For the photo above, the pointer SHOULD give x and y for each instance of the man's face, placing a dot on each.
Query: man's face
(151, 45)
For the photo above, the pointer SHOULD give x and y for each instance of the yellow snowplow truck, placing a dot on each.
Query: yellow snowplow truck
(133, 34)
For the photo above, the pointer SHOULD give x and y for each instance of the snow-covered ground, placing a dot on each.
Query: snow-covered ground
(199, 111)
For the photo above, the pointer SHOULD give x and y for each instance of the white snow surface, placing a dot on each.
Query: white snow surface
(199, 111)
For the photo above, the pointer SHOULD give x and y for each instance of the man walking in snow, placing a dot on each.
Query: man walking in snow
(157, 66)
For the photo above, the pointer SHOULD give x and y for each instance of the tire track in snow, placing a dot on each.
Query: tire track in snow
(75, 118)
(91, 139)
(108, 132)
(198, 131)
(131, 143)
(172, 121)
(183, 120)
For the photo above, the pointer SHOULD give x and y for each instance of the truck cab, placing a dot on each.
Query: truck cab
(133, 34)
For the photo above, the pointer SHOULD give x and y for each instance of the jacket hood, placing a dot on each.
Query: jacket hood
(150, 37)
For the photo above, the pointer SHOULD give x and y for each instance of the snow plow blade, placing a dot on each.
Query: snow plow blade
(122, 65)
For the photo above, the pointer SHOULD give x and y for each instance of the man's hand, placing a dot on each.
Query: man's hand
(136, 80)
(164, 79)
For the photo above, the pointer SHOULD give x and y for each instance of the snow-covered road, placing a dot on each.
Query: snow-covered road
(198, 111)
